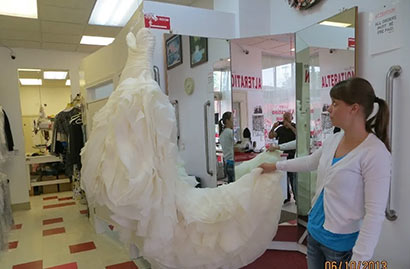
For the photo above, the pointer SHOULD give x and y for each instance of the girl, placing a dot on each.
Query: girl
(353, 175)
(227, 143)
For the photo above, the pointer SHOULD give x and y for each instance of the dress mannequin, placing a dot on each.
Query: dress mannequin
(131, 165)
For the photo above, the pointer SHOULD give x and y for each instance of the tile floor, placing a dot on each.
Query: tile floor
(56, 233)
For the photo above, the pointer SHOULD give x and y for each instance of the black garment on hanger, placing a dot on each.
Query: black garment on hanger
(7, 130)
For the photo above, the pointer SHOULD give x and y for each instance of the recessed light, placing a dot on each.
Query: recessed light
(113, 13)
(96, 40)
(28, 70)
(335, 24)
(54, 74)
(19, 8)
(30, 81)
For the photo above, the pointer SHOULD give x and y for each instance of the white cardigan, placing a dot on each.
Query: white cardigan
(356, 189)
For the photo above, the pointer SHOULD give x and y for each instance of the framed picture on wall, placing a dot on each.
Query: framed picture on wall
(173, 46)
(198, 48)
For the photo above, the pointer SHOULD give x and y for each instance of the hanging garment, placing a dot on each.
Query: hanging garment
(6, 138)
(6, 216)
(67, 138)
(131, 165)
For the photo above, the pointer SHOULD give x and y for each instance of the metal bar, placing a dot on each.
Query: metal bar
(176, 107)
(156, 75)
(206, 105)
(393, 72)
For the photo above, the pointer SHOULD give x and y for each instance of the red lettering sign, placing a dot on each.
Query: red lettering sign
(157, 22)
(246, 82)
(351, 42)
(332, 79)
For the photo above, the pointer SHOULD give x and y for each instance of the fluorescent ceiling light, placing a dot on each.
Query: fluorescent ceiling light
(113, 13)
(335, 24)
(28, 70)
(96, 40)
(19, 8)
(31, 81)
(54, 74)
(68, 82)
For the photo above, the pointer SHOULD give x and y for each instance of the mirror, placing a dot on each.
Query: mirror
(198, 85)
(263, 89)
(325, 54)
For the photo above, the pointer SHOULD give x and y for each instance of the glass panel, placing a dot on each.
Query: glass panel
(198, 73)
(324, 55)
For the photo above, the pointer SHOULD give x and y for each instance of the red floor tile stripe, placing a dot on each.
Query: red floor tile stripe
(13, 245)
(50, 198)
(29, 265)
(51, 221)
(85, 211)
(58, 205)
(289, 233)
(59, 230)
(72, 265)
(65, 198)
(124, 265)
(17, 226)
(82, 247)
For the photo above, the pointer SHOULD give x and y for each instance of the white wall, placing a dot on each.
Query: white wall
(32, 97)
(191, 107)
(248, 65)
(10, 100)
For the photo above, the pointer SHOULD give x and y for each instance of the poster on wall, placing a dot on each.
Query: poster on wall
(173, 47)
(385, 29)
(198, 49)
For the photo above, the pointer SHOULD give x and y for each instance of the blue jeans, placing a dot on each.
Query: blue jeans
(230, 170)
(318, 255)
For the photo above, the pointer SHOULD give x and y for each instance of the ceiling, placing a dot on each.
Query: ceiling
(46, 83)
(278, 45)
(60, 26)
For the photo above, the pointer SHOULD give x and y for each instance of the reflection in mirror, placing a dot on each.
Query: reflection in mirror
(325, 55)
(263, 89)
(198, 85)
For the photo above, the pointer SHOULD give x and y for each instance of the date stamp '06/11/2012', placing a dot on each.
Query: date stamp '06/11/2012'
(356, 265)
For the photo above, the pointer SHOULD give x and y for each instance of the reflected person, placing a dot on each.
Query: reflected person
(226, 139)
(285, 131)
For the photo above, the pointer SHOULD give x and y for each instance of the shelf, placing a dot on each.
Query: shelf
(50, 182)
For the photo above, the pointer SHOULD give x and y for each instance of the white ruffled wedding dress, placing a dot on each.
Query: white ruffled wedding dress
(131, 165)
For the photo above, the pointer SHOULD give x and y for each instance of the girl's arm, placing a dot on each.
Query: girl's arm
(301, 164)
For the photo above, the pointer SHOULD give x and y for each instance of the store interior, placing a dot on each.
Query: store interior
(211, 61)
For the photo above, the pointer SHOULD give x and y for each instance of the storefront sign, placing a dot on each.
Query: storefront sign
(246, 82)
(385, 30)
(157, 22)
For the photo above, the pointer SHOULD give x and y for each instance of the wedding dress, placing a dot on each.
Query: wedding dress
(131, 165)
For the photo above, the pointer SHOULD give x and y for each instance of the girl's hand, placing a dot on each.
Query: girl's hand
(273, 148)
(268, 167)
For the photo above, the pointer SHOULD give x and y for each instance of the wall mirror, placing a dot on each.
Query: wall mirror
(263, 89)
(198, 85)
(325, 54)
